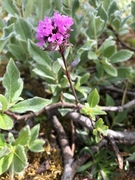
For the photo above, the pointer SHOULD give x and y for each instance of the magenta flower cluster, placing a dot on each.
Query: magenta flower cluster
(54, 30)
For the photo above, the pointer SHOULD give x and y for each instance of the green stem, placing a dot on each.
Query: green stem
(70, 81)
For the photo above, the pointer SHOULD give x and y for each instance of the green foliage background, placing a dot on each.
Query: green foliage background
(103, 48)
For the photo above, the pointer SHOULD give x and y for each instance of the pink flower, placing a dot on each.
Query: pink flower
(54, 30)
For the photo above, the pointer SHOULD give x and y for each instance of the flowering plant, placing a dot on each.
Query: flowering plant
(103, 40)
(54, 31)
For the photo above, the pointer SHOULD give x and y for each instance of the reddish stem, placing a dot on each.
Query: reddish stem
(69, 80)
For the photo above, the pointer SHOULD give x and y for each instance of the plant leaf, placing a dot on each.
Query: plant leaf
(75, 6)
(34, 104)
(37, 145)
(109, 51)
(12, 82)
(4, 151)
(17, 51)
(69, 96)
(93, 98)
(92, 55)
(3, 103)
(109, 101)
(132, 25)
(131, 157)
(84, 167)
(133, 8)
(19, 159)
(44, 73)
(84, 78)
(11, 138)
(10, 7)
(23, 29)
(40, 56)
(2, 141)
(56, 67)
(43, 7)
(97, 110)
(120, 56)
(95, 27)
(5, 163)
(24, 136)
(102, 13)
(34, 133)
(103, 130)
(99, 123)
(87, 46)
(6, 122)
(106, 44)
(108, 68)
(28, 8)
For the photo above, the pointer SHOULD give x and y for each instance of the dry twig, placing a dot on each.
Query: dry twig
(117, 153)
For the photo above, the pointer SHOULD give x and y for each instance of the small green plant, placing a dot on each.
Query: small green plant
(13, 152)
(12, 101)
(92, 110)
(102, 165)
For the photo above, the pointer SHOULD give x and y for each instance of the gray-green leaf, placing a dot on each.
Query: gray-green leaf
(19, 159)
(12, 82)
(37, 145)
(5, 163)
(23, 29)
(108, 68)
(93, 98)
(40, 56)
(6, 122)
(95, 27)
(4, 151)
(34, 133)
(133, 8)
(24, 136)
(120, 56)
(34, 104)
(3, 103)
(10, 7)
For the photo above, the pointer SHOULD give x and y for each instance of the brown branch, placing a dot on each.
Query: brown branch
(122, 43)
(20, 116)
(44, 110)
(67, 105)
(64, 144)
(122, 136)
(60, 105)
(112, 88)
(116, 151)
(73, 136)
(117, 135)
(70, 165)
(126, 137)
(124, 141)
(63, 140)
(119, 108)
(81, 119)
